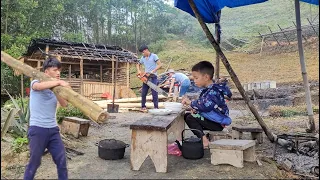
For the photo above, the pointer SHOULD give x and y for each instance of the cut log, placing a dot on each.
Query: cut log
(89, 108)
(104, 104)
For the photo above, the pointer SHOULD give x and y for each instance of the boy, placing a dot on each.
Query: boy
(151, 64)
(210, 111)
(43, 132)
(182, 79)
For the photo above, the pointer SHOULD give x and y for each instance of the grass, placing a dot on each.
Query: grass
(285, 111)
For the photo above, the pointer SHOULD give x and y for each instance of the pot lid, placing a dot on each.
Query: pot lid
(111, 144)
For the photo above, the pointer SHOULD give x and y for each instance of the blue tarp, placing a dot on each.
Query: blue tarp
(208, 8)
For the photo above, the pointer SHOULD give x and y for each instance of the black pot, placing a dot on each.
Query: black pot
(111, 149)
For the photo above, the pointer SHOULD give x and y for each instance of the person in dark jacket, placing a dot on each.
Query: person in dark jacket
(209, 111)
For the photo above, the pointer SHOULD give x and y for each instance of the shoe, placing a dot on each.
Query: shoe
(144, 109)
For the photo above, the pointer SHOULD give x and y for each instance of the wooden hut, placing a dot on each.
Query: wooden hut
(89, 68)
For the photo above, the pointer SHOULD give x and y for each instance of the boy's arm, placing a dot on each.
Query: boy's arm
(159, 65)
(204, 104)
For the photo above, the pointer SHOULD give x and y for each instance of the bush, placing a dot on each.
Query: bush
(69, 111)
(20, 144)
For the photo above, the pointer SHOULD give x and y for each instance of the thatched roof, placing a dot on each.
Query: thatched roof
(74, 50)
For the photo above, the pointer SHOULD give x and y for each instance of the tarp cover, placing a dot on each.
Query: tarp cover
(208, 8)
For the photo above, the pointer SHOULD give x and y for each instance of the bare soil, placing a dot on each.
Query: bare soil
(90, 166)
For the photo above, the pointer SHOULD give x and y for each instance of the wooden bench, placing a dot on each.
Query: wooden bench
(256, 133)
(233, 152)
(217, 135)
(75, 126)
(150, 138)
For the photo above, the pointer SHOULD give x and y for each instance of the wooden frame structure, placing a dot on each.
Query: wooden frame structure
(89, 68)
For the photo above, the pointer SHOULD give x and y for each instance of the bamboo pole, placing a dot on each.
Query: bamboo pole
(311, 127)
(100, 72)
(22, 87)
(128, 75)
(69, 76)
(88, 107)
(233, 75)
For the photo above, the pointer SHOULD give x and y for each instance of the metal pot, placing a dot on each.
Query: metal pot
(191, 148)
(111, 149)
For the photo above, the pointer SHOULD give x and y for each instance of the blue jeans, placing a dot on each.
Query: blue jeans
(184, 87)
(144, 92)
(40, 139)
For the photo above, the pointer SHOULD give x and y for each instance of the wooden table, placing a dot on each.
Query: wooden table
(150, 138)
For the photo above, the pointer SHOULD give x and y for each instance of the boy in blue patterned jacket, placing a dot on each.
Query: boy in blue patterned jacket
(210, 111)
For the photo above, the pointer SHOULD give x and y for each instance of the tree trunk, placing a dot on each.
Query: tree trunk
(88, 107)
(231, 72)
(109, 21)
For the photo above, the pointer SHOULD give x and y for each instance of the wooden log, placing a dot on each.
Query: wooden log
(104, 105)
(81, 76)
(88, 107)
(133, 100)
(230, 70)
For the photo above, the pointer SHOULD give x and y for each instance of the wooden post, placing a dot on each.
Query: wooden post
(69, 76)
(100, 72)
(22, 87)
(39, 65)
(217, 55)
(47, 50)
(89, 108)
(128, 74)
(81, 76)
(231, 72)
(112, 70)
(58, 57)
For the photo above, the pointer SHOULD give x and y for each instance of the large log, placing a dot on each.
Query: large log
(104, 104)
(89, 108)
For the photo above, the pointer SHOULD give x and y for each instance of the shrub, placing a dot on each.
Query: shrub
(69, 111)
(20, 144)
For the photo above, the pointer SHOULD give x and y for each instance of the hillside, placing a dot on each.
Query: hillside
(280, 67)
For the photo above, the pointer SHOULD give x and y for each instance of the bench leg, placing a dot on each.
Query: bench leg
(257, 136)
(149, 143)
(236, 134)
(249, 154)
(232, 157)
(84, 128)
(177, 128)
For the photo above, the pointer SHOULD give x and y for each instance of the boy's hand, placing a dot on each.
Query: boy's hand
(186, 101)
(64, 83)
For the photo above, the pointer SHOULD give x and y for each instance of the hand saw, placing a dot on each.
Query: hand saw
(144, 77)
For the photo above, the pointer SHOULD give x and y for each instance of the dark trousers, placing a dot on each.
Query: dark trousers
(197, 123)
(144, 92)
(40, 139)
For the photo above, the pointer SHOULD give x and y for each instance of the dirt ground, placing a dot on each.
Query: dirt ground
(90, 166)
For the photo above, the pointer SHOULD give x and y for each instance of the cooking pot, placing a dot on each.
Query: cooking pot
(191, 148)
(111, 149)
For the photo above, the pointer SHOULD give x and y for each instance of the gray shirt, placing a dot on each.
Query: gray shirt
(43, 106)
(150, 63)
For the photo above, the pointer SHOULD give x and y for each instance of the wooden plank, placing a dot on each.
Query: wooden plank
(156, 123)
(112, 73)
(230, 144)
(81, 75)
(76, 120)
(39, 65)
(247, 129)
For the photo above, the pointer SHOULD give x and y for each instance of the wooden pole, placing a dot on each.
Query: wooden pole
(47, 51)
(233, 75)
(89, 108)
(311, 127)
(39, 65)
(100, 72)
(22, 87)
(128, 75)
(112, 70)
(81, 76)
(217, 55)
(70, 68)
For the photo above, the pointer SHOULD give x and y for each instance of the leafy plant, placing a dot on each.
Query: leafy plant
(20, 123)
(8, 121)
(19, 144)
(69, 111)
